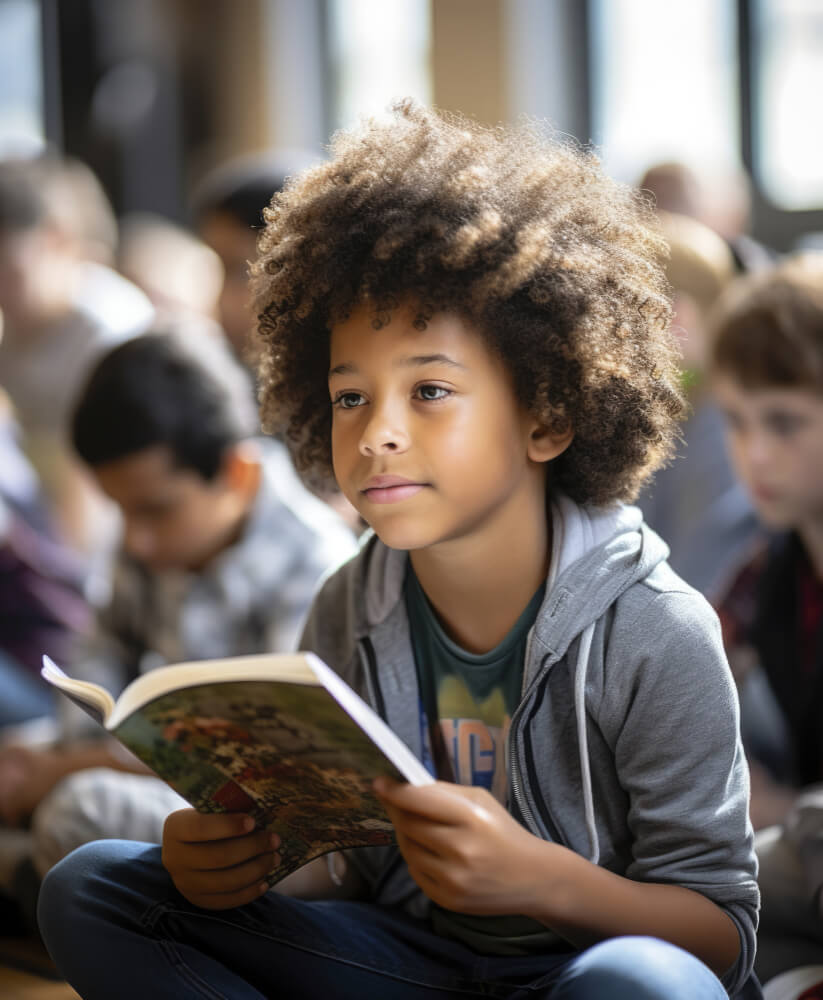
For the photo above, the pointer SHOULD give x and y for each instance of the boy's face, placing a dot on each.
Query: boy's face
(775, 439)
(173, 519)
(429, 442)
(235, 246)
(26, 258)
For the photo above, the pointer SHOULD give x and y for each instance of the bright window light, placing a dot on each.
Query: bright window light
(21, 90)
(379, 51)
(788, 82)
(664, 84)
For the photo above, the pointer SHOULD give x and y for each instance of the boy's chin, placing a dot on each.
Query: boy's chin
(775, 518)
(402, 540)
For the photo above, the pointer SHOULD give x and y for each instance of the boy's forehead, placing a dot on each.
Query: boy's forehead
(443, 336)
(142, 473)
(765, 395)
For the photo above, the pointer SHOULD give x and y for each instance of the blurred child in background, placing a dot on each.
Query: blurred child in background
(720, 199)
(695, 502)
(227, 210)
(767, 362)
(222, 548)
(61, 309)
(180, 275)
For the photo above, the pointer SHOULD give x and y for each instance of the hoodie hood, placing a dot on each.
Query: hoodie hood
(597, 554)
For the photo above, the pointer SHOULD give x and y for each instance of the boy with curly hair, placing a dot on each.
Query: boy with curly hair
(468, 328)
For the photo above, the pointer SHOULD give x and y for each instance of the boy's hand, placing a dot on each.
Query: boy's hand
(463, 849)
(217, 860)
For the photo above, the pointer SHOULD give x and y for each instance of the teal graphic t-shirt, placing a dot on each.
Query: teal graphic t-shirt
(468, 698)
(466, 705)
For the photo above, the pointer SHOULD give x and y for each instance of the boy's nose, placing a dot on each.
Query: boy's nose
(138, 542)
(759, 451)
(383, 435)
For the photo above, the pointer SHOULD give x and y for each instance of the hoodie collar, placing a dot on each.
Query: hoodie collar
(597, 553)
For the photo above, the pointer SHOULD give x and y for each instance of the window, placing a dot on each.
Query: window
(787, 80)
(379, 51)
(21, 90)
(665, 84)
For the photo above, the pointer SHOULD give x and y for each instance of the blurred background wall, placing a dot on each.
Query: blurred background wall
(153, 93)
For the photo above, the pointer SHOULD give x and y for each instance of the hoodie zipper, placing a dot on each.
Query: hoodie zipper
(372, 677)
(522, 730)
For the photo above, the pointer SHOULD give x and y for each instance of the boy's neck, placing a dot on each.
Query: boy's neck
(479, 592)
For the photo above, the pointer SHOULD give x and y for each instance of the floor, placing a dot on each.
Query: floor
(26, 973)
(15, 985)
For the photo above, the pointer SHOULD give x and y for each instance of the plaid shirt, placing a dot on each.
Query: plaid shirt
(252, 598)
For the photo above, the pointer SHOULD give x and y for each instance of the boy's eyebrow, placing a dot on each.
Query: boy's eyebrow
(414, 361)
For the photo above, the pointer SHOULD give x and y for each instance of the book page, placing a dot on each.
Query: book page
(93, 699)
(364, 715)
(269, 667)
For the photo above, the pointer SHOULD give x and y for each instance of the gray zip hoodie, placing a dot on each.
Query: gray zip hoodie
(625, 745)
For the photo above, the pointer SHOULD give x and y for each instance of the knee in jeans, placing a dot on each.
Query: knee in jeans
(57, 893)
(73, 879)
(640, 968)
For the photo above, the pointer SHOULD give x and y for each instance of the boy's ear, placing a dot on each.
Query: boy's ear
(544, 444)
(242, 469)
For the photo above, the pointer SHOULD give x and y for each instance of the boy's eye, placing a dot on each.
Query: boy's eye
(733, 421)
(347, 400)
(784, 423)
(431, 392)
(155, 511)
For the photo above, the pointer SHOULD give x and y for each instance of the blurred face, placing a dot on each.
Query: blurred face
(24, 273)
(775, 439)
(235, 245)
(429, 442)
(172, 518)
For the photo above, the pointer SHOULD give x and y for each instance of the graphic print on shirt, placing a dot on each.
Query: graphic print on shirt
(472, 735)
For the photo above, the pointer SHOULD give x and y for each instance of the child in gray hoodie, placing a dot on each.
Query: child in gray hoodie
(469, 329)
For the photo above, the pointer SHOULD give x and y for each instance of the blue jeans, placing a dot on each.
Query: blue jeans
(116, 927)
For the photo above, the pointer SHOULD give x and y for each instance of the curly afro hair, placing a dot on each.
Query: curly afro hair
(556, 265)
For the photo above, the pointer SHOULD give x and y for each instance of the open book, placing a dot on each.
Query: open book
(281, 737)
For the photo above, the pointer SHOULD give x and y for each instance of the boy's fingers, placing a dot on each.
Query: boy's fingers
(441, 802)
(217, 854)
(191, 826)
(227, 881)
(433, 838)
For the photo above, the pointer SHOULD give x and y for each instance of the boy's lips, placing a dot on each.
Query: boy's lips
(764, 493)
(390, 489)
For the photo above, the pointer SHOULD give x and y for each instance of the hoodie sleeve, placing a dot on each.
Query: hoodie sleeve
(673, 718)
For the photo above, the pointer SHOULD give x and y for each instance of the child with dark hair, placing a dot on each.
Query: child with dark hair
(768, 379)
(222, 549)
(469, 329)
(227, 211)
